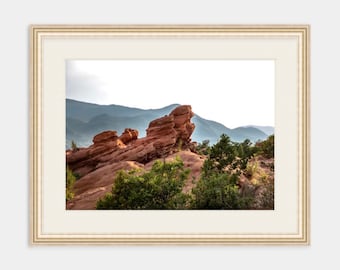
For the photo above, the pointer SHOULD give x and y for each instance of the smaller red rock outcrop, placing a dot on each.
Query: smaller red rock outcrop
(129, 135)
(105, 137)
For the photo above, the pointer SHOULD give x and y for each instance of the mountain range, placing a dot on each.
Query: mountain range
(85, 120)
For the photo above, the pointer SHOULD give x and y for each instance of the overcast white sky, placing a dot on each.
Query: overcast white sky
(232, 92)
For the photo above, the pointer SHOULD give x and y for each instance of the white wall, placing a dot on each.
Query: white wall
(15, 17)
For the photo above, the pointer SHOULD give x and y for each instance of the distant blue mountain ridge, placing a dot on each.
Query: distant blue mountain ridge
(85, 120)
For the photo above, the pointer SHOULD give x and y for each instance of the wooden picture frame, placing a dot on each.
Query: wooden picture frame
(287, 45)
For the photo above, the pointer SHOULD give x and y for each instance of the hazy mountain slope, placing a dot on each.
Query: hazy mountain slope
(207, 129)
(266, 129)
(253, 134)
(84, 120)
(86, 111)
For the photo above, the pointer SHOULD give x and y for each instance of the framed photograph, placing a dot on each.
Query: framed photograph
(170, 134)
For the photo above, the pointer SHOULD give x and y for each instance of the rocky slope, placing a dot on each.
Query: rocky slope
(166, 138)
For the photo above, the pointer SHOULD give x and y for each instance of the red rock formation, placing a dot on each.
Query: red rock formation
(184, 128)
(163, 126)
(165, 136)
(105, 137)
(129, 135)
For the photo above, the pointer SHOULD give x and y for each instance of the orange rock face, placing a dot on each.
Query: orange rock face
(184, 128)
(105, 137)
(98, 163)
(129, 135)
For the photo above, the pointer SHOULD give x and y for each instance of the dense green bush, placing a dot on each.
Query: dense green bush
(218, 187)
(266, 148)
(221, 155)
(245, 151)
(228, 156)
(219, 191)
(160, 188)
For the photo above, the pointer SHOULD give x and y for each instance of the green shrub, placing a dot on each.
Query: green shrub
(74, 146)
(219, 191)
(203, 148)
(218, 187)
(70, 180)
(228, 156)
(244, 151)
(160, 188)
(266, 148)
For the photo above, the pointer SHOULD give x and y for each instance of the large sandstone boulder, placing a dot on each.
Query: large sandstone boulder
(105, 137)
(163, 126)
(184, 128)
